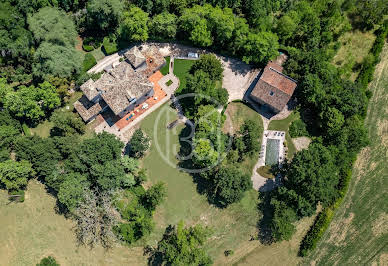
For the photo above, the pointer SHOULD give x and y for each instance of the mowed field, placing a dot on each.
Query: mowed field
(32, 230)
(358, 234)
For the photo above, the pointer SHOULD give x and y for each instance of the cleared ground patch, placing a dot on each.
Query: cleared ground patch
(363, 240)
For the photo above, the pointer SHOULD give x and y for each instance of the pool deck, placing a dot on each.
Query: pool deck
(271, 134)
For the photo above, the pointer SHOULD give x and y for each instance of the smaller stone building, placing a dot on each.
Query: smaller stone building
(274, 89)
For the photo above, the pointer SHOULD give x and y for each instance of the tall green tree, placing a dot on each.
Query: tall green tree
(258, 48)
(183, 246)
(54, 26)
(15, 40)
(56, 60)
(32, 103)
(154, 196)
(104, 15)
(163, 26)
(72, 190)
(228, 185)
(134, 26)
(209, 64)
(14, 175)
(138, 144)
(313, 174)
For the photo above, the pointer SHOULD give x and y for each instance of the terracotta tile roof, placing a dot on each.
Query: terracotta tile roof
(273, 87)
(273, 76)
(121, 83)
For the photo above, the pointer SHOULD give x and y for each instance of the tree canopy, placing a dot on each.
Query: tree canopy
(183, 246)
(54, 26)
(32, 103)
(104, 15)
(14, 175)
(134, 26)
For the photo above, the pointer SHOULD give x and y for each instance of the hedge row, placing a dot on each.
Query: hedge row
(368, 67)
(323, 219)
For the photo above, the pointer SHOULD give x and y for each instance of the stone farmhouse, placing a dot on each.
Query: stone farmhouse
(122, 86)
(273, 89)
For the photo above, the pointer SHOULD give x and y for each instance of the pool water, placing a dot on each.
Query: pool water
(272, 152)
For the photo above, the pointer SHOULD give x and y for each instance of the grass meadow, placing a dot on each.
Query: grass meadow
(355, 45)
(165, 69)
(358, 233)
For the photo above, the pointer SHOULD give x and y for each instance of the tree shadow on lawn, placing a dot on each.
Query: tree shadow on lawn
(263, 225)
(203, 185)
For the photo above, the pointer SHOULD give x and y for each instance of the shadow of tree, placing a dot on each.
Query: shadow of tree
(263, 225)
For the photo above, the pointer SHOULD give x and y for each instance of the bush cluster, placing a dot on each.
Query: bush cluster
(368, 66)
(322, 221)
(298, 129)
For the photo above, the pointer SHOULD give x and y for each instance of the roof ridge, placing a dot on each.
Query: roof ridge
(284, 75)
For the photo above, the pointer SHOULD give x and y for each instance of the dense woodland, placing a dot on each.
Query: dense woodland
(39, 65)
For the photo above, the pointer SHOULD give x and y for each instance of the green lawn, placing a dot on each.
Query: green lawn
(165, 69)
(42, 129)
(283, 125)
(181, 70)
(231, 226)
(237, 113)
(358, 233)
(98, 53)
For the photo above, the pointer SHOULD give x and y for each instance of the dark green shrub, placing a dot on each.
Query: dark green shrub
(16, 195)
(92, 42)
(298, 129)
(89, 62)
(109, 46)
(48, 261)
(368, 67)
(87, 48)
